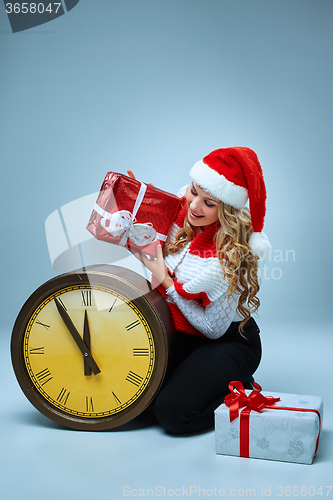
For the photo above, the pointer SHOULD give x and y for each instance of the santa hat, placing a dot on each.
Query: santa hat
(234, 176)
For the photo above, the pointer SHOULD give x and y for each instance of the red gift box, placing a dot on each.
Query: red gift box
(132, 214)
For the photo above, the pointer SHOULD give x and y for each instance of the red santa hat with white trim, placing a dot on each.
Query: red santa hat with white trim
(234, 176)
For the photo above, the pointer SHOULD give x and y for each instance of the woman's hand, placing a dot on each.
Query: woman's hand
(157, 267)
(132, 176)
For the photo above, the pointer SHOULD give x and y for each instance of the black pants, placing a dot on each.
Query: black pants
(201, 371)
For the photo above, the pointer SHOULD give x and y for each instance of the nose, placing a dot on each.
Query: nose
(196, 204)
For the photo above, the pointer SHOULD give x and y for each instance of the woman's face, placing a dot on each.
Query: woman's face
(202, 206)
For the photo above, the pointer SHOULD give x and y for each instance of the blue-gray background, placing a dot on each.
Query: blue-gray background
(154, 85)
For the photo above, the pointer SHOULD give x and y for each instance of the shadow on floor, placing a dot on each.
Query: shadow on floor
(35, 419)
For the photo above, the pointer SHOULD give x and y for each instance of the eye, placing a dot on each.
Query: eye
(193, 192)
(210, 204)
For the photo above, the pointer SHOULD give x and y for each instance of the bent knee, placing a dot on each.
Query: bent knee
(176, 419)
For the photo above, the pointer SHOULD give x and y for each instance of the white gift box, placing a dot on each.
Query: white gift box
(274, 434)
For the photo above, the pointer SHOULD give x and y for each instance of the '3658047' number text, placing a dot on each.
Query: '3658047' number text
(32, 8)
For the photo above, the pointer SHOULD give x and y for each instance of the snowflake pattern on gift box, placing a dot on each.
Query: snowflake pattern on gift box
(234, 433)
(296, 448)
(263, 443)
(302, 414)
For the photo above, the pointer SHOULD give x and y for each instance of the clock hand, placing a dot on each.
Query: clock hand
(77, 337)
(86, 339)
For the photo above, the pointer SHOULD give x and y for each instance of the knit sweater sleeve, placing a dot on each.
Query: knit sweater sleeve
(211, 320)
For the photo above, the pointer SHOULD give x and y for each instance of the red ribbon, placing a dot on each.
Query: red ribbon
(257, 402)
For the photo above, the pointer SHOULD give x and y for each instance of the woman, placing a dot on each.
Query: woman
(209, 276)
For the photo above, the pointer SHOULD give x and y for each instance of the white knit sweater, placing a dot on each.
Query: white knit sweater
(199, 296)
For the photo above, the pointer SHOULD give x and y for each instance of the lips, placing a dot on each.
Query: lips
(194, 215)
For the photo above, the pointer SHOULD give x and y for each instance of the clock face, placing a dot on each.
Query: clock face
(88, 352)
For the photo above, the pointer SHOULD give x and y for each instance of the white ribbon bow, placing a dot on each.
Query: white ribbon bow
(124, 222)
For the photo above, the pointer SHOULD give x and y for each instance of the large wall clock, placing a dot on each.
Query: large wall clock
(90, 348)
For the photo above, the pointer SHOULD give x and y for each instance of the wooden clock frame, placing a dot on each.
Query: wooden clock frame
(150, 303)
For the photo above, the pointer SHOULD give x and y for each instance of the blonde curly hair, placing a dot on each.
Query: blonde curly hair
(237, 260)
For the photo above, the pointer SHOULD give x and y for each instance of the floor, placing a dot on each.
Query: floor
(41, 460)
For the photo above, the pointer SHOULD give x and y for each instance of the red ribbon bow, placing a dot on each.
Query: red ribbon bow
(254, 401)
(257, 402)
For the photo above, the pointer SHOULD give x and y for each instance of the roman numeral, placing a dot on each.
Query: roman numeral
(86, 298)
(63, 396)
(140, 351)
(132, 325)
(134, 378)
(61, 302)
(115, 300)
(115, 397)
(42, 324)
(44, 376)
(89, 404)
(36, 350)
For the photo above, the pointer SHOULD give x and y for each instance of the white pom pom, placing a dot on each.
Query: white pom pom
(259, 244)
